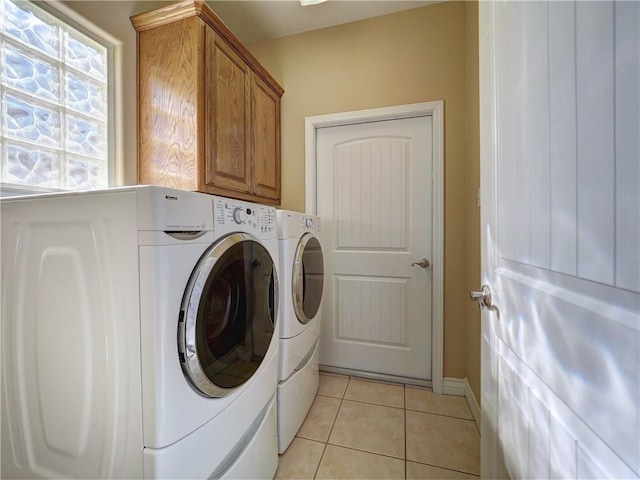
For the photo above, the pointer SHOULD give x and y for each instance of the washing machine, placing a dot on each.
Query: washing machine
(139, 336)
(302, 274)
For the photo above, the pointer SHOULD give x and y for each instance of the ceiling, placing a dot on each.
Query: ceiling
(258, 20)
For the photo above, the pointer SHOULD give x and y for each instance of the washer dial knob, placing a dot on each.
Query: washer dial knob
(308, 223)
(239, 216)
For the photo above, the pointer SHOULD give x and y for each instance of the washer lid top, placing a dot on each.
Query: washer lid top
(228, 315)
(308, 278)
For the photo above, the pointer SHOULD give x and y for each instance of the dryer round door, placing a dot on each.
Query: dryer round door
(228, 315)
(308, 278)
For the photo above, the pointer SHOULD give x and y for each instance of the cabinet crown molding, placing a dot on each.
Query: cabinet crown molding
(191, 8)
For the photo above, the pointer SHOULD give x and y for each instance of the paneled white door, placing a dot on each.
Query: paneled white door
(560, 158)
(374, 183)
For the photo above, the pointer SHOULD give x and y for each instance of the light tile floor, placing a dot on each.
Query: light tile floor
(365, 429)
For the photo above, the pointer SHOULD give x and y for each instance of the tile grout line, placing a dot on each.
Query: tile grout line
(446, 468)
(374, 404)
(440, 415)
(354, 449)
(324, 449)
(404, 402)
(469, 407)
(326, 443)
(402, 408)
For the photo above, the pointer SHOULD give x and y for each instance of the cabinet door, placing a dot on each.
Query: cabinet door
(265, 136)
(227, 114)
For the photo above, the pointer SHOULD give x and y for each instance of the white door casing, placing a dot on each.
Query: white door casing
(354, 267)
(560, 177)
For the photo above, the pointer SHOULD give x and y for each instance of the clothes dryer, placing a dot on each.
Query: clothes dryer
(302, 273)
(138, 340)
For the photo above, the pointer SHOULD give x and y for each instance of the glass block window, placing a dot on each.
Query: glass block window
(54, 91)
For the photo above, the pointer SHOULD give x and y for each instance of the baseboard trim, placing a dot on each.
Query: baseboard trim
(376, 376)
(461, 388)
(473, 403)
(454, 386)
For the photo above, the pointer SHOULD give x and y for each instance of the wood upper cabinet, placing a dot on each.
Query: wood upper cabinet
(208, 112)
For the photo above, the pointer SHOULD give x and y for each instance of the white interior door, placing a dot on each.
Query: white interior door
(374, 184)
(560, 107)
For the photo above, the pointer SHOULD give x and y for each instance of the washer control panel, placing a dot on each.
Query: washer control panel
(232, 215)
(310, 223)
(294, 224)
(307, 223)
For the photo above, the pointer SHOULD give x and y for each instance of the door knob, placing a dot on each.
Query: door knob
(423, 262)
(483, 297)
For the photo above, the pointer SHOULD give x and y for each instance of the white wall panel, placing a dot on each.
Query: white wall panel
(513, 422)
(538, 133)
(371, 309)
(542, 444)
(563, 448)
(627, 121)
(586, 468)
(595, 87)
(569, 149)
(385, 201)
(375, 180)
(371, 178)
(398, 150)
(514, 160)
(562, 137)
(539, 452)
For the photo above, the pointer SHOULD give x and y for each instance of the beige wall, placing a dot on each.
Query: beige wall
(414, 56)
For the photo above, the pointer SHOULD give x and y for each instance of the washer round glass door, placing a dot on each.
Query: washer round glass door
(228, 314)
(308, 278)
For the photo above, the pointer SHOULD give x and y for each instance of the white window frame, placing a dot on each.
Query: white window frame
(114, 94)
